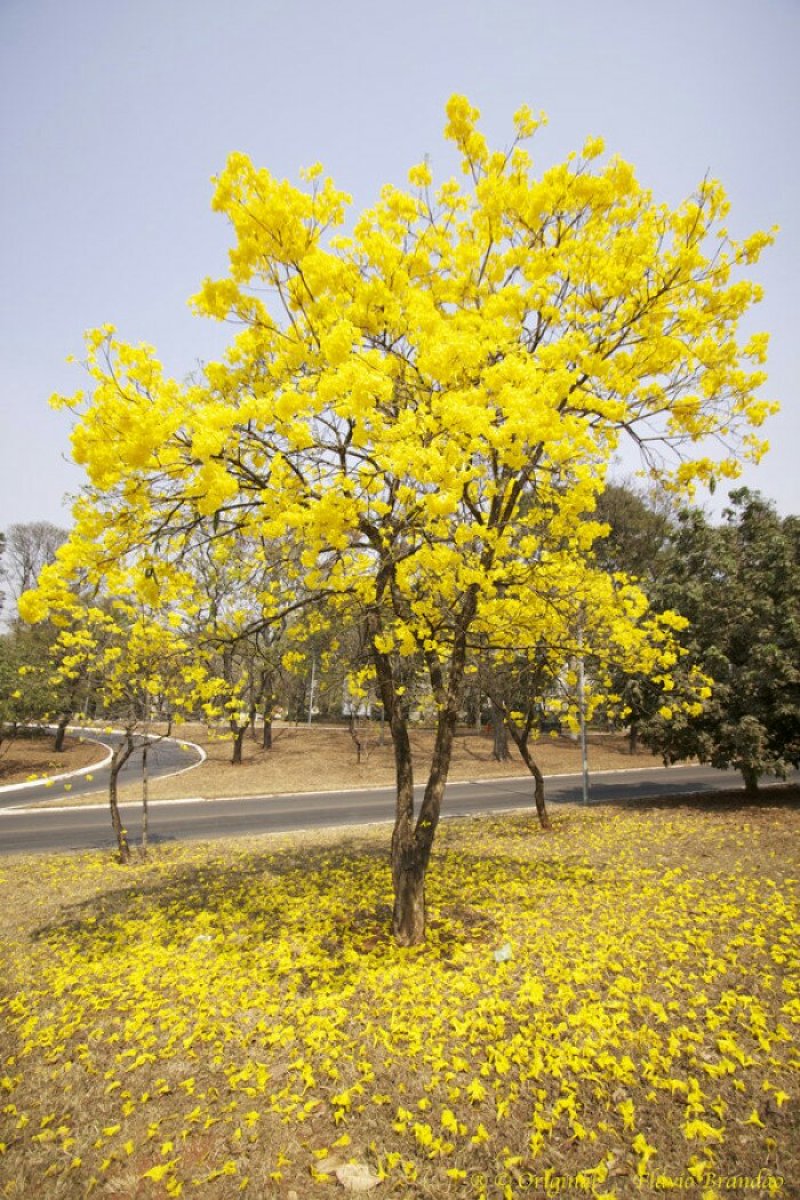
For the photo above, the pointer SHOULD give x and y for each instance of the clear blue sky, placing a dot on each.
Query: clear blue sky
(114, 116)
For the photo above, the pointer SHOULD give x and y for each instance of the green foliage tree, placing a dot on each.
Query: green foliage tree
(27, 692)
(30, 694)
(739, 586)
(640, 522)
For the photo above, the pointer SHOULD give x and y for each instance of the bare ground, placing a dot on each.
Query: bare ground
(31, 756)
(314, 759)
(304, 759)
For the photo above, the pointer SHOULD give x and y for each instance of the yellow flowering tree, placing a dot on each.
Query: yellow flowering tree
(413, 422)
(593, 628)
(142, 668)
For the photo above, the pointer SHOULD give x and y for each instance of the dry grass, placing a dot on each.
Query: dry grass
(311, 759)
(305, 759)
(31, 756)
(224, 1021)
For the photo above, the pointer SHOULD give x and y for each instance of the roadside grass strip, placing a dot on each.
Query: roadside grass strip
(605, 1007)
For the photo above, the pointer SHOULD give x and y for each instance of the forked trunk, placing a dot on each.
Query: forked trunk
(120, 756)
(238, 739)
(412, 841)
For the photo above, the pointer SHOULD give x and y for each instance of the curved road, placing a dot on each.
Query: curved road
(86, 827)
(166, 757)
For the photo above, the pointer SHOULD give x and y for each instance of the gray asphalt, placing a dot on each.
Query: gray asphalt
(164, 758)
(89, 827)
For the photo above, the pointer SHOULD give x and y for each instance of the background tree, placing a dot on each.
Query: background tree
(42, 696)
(568, 670)
(638, 544)
(416, 417)
(30, 694)
(26, 695)
(230, 573)
(143, 669)
(517, 692)
(739, 585)
(640, 522)
(28, 548)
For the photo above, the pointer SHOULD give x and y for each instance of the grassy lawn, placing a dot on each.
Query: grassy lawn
(599, 1008)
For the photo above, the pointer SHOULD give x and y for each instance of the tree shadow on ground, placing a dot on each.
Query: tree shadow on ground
(631, 798)
(232, 898)
(231, 888)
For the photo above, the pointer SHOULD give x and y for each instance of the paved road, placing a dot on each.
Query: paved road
(164, 758)
(22, 831)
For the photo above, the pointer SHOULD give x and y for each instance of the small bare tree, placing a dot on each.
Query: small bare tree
(28, 548)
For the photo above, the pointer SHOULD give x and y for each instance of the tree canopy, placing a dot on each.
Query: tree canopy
(412, 426)
(738, 584)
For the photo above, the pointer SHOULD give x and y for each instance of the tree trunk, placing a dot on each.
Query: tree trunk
(538, 784)
(408, 918)
(145, 798)
(266, 736)
(500, 751)
(61, 730)
(238, 738)
(356, 736)
(750, 776)
(520, 737)
(408, 876)
(411, 847)
(120, 756)
(633, 737)
(408, 870)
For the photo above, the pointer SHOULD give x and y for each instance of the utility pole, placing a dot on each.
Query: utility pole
(582, 714)
(313, 681)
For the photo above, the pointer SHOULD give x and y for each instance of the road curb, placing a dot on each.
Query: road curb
(44, 780)
(79, 771)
